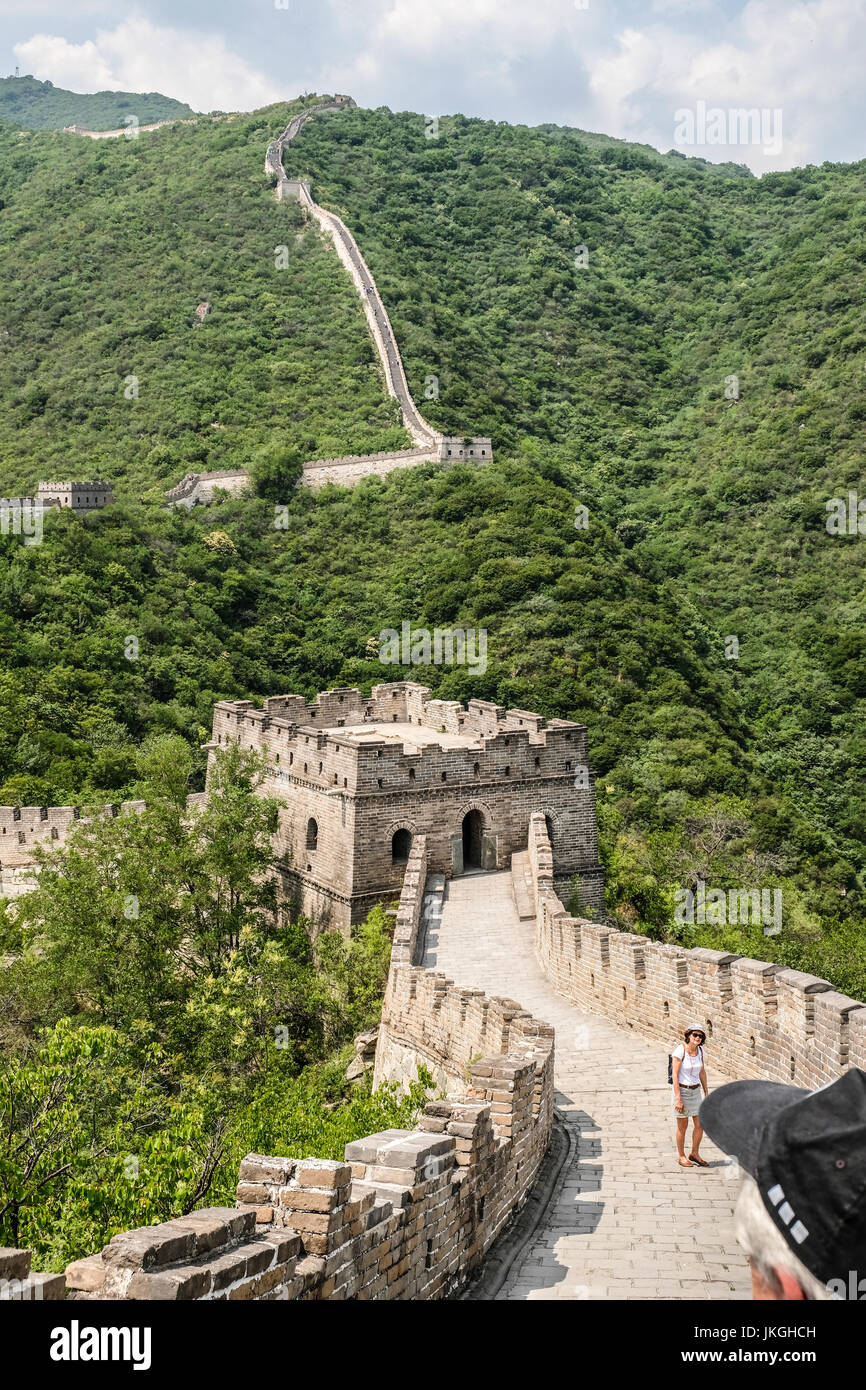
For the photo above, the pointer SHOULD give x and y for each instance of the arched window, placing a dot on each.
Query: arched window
(549, 826)
(312, 834)
(400, 846)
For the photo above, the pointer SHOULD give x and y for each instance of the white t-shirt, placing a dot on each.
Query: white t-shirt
(690, 1067)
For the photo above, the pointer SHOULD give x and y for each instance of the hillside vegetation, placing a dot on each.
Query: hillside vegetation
(33, 105)
(602, 385)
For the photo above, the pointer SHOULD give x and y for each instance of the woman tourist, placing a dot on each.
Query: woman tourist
(689, 1076)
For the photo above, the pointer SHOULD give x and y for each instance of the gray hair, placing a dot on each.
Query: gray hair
(767, 1248)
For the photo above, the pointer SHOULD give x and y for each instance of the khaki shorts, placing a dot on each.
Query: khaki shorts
(691, 1102)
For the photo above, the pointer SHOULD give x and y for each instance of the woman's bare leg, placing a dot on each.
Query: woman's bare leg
(697, 1135)
(682, 1126)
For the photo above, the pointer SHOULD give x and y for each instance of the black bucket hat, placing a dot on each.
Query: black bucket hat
(806, 1151)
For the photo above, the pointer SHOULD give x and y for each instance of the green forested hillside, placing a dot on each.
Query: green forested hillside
(602, 385)
(26, 102)
(109, 248)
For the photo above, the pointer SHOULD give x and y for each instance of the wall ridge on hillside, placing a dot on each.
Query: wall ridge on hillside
(429, 443)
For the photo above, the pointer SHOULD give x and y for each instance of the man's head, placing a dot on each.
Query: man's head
(801, 1215)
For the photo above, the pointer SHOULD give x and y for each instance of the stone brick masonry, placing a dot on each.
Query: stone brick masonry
(355, 771)
(762, 1020)
(22, 828)
(410, 1213)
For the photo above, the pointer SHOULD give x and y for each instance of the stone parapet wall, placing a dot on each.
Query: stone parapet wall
(18, 1283)
(24, 827)
(761, 1019)
(410, 1214)
(353, 467)
(200, 487)
(405, 937)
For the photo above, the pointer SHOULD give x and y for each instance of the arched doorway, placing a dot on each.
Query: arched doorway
(400, 846)
(548, 823)
(473, 832)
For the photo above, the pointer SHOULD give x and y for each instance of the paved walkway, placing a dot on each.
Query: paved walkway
(625, 1221)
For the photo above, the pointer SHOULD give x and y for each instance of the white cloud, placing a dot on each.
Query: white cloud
(139, 56)
(773, 55)
(623, 68)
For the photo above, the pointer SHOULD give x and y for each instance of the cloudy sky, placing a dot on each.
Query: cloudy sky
(666, 72)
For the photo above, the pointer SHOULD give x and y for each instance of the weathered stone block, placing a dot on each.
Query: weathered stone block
(180, 1284)
(322, 1172)
(263, 1168)
(47, 1288)
(367, 1150)
(309, 1198)
(88, 1274)
(14, 1263)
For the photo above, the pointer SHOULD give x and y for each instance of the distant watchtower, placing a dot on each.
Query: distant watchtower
(454, 447)
(78, 497)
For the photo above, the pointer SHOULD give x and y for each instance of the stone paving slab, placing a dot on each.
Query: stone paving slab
(625, 1220)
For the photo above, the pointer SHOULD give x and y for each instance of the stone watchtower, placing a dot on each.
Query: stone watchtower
(360, 776)
(79, 497)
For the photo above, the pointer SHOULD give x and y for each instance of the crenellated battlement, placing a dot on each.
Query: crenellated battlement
(24, 828)
(360, 776)
(762, 1020)
(78, 497)
(349, 734)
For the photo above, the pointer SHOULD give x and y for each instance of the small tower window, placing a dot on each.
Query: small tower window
(312, 834)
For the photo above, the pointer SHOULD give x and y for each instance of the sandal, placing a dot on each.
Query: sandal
(701, 1162)
(683, 1162)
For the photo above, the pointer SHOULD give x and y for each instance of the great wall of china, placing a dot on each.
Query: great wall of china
(430, 445)
(415, 1214)
(546, 1035)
